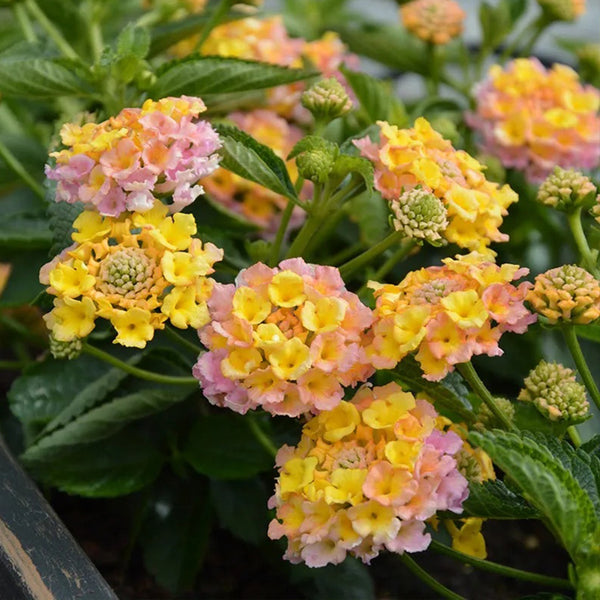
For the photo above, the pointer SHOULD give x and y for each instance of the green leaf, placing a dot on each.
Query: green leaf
(390, 46)
(517, 9)
(528, 417)
(24, 231)
(546, 484)
(346, 164)
(370, 211)
(201, 75)
(45, 389)
(174, 535)
(377, 98)
(493, 500)
(350, 580)
(105, 420)
(134, 41)
(592, 446)
(244, 156)
(119, 465)
(61, 218)
(23, 284)
(164, 36)
(23, 72)
(450, 394)
(589, 332)
(91, 394)
(242, 508)
(496, 23)
(583, 466)
(224, 447)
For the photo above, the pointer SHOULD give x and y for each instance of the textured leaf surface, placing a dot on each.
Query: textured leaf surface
(493, 500)
(201, 75)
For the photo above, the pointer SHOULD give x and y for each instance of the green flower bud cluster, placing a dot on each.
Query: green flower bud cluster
(554, 391)
(566, 189)
(486, 418)
(420, 214)
(65, 350)
(562, 10)
(315, 165)
(326, 100)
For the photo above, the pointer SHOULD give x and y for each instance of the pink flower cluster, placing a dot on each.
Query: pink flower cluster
(365, 477)
(123, 163)
(533, 118)
(285, 339)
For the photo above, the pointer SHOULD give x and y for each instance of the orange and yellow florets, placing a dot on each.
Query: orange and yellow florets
(285, 339)
(435, 21)
(420, 156)
(365, 477)
(137, 271)
(533, 118)
(448, 314)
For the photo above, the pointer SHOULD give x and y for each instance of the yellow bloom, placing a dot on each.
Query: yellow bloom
(71, 281)
(385, 412)
(89, 227)
(289, 360)
(71, 319)
(250, 305)
(325, 315)
(466, 309)
(287, 289)
(468, 539)
(180, 306)
(296, 474)
(241, 362)
(133, 327)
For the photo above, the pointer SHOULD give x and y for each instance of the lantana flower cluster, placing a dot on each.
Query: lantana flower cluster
(286, 339)
(267, 40)
(255, 202)
(126, 162)
(420, 156)
(448, 314)
(137, 271)
(364, 477)
(435, 21)
(533, 118)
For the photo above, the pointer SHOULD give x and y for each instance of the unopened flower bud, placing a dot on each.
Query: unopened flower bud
(566, 189)
(65, 350)
(315, 165)
(326, 100)
(420, 214)
(487, 419)
(554, 391)
(562, 10)
(566, 294)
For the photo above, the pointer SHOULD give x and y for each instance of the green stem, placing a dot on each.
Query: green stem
(24, 22)
(262, 437)
(433, 81)
(368, 255)
(217, 16)
(538, 28)
(13, 365)
(588, 258)
(57, 37)
(486, 565)
(345, 254)
(580, 363)
(402, 252)
(283, 225)
(13, 163)
(141, 373)
(574, 435)
(176, 336)
(95, 39)
(427, 579)
(314, 221)
(470, 375)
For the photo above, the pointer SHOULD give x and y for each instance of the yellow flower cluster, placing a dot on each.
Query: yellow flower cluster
(364, 477)
(137, 271)
(420, 156)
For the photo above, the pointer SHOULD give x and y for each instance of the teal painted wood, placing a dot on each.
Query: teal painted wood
(39, 559)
